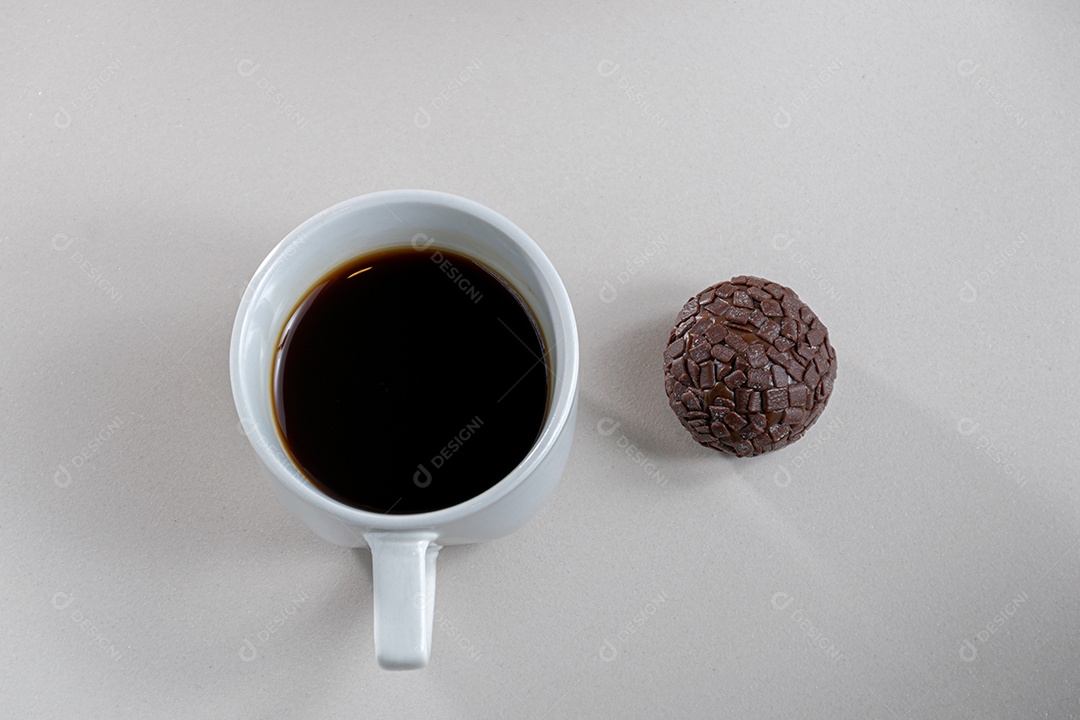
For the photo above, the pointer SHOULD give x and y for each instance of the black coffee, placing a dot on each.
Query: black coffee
(408, 381)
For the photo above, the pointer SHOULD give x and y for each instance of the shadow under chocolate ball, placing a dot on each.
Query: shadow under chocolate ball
(748, 366)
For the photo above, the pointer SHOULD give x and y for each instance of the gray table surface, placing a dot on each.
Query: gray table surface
(910, 168)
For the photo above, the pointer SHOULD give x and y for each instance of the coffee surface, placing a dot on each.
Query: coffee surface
(410, 380)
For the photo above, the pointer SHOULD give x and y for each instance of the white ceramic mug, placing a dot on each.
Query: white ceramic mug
(404, 547)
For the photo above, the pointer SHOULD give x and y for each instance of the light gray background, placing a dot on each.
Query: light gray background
(910, 168)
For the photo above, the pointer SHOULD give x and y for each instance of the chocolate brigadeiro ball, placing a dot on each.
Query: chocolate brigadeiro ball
(748, 367)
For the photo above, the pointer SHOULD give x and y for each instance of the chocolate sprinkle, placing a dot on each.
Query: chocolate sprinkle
(748, 367)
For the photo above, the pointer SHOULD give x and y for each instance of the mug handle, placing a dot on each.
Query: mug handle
(403, 580)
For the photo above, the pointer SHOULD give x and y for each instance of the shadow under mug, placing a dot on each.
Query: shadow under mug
(404, 547)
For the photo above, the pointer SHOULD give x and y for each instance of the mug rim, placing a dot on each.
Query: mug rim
(563, 394)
